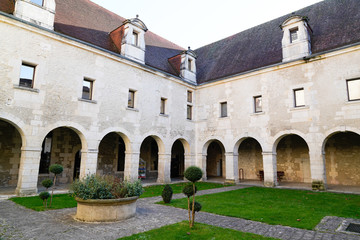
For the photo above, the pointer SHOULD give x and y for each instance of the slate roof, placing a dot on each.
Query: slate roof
(335, 23)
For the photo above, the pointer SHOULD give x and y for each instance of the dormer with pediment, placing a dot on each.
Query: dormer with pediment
(40, 12)
(296, 41)
(188, 65)
(129, 39)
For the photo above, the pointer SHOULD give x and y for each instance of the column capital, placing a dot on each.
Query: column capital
(90, 150)
(31, 149)
(132, 153)
(268, 153)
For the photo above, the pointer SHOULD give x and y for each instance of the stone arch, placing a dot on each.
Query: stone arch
(150, 149)
(250, 160)
(180, 148)
(12, 141)
(121, 132)
(292, 158)
(283, 134)
(341, 151)
(242, 138)
(17, 123)
(215, 161)
(334, 131)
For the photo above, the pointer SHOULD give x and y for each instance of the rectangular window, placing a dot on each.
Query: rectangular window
(37, 2)
(189, 96)
(223, 109)
(189, 112)
(258, 104)
(87, 89)
(162, 105)
(299, 97)
(27, 74)
(131, 99)
(353, 87)
(189, 64)
(293, 34)
(135, 39)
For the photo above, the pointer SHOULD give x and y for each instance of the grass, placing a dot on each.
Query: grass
(65, 201)
(35, 203)
(295, 208)
(198, 232)
(153, 191)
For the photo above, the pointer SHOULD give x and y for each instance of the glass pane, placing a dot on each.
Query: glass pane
(86, 94)
(26, 75)
(223, 109)
(189, 112)
(135, 39)
(258, 104)
(354, 89)
(38, 2)
(162, 106)
(299, 98)
(189, 65)
(189, 96)
(293, 35)
(131, 99)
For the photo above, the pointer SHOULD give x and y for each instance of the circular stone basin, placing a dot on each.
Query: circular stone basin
(105, 210)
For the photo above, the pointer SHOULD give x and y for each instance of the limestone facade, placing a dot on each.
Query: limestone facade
(315, 142)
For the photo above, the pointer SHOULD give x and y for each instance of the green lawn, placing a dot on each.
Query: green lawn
(35, 203)
(295, 208)
(65, 201)
(198, 232)
(156, 190)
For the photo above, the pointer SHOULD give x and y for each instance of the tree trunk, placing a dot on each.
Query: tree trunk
(193, 207)
(52, 191)
(189, 211)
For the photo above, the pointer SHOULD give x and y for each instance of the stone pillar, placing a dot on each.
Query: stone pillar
(317, 169)
(28, 171)
(232, 168)
(164, 164)
(270, 169)
(131, 171)
(88, 164)
(189, 161)
(201, 163)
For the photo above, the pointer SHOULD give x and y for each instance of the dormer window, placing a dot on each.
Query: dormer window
(294, 34)
(190, 65)
(37, 2)
(135, 40)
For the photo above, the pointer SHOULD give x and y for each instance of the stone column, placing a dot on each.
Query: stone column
(28, 171)
(232, 168)
(270, 169)
(88, 164)
(317, 169)
(164, 164)
(201, 163)
(131, 171)
(189, 161)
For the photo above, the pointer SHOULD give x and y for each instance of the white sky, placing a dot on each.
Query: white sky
(197, 23)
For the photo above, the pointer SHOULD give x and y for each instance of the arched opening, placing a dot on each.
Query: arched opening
(149, 158)
(111, 156)
(250, 160)
(215, 160)
(61, 146)
(342, 159)
(177, 160)
(293, 160)
(10, 154)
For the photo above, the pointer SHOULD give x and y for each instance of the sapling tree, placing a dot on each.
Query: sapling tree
(193, 174)
(47, 183)
(167, 193)
(55, 169)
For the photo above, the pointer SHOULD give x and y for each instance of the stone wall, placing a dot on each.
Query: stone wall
(293, 159)
(342, 154)
(250, 158)
(10, 151)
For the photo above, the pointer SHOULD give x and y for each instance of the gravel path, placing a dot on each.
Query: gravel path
(19, 223)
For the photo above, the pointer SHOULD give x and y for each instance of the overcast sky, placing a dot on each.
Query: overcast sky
(197, 23)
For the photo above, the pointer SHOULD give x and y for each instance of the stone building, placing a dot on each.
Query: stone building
(98, 93)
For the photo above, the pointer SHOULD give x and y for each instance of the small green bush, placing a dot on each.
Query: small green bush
(133, 188)
(56, 169)
(167, 194)
(47, 183)
(44, 195)
(197, 207)
(188, 190)
(193, 174)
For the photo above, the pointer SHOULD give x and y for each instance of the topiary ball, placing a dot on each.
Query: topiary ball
(44, 195)
(197, 207)
(47, 183)
(167, 193)
(188, 190)
(56, 168)
(193, 174)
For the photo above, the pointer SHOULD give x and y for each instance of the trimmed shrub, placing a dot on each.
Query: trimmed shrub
(56, 169)
(44, 195)
(188, 190)
(47, 183)
(197, 207)
(193, 174)
(167, 194)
